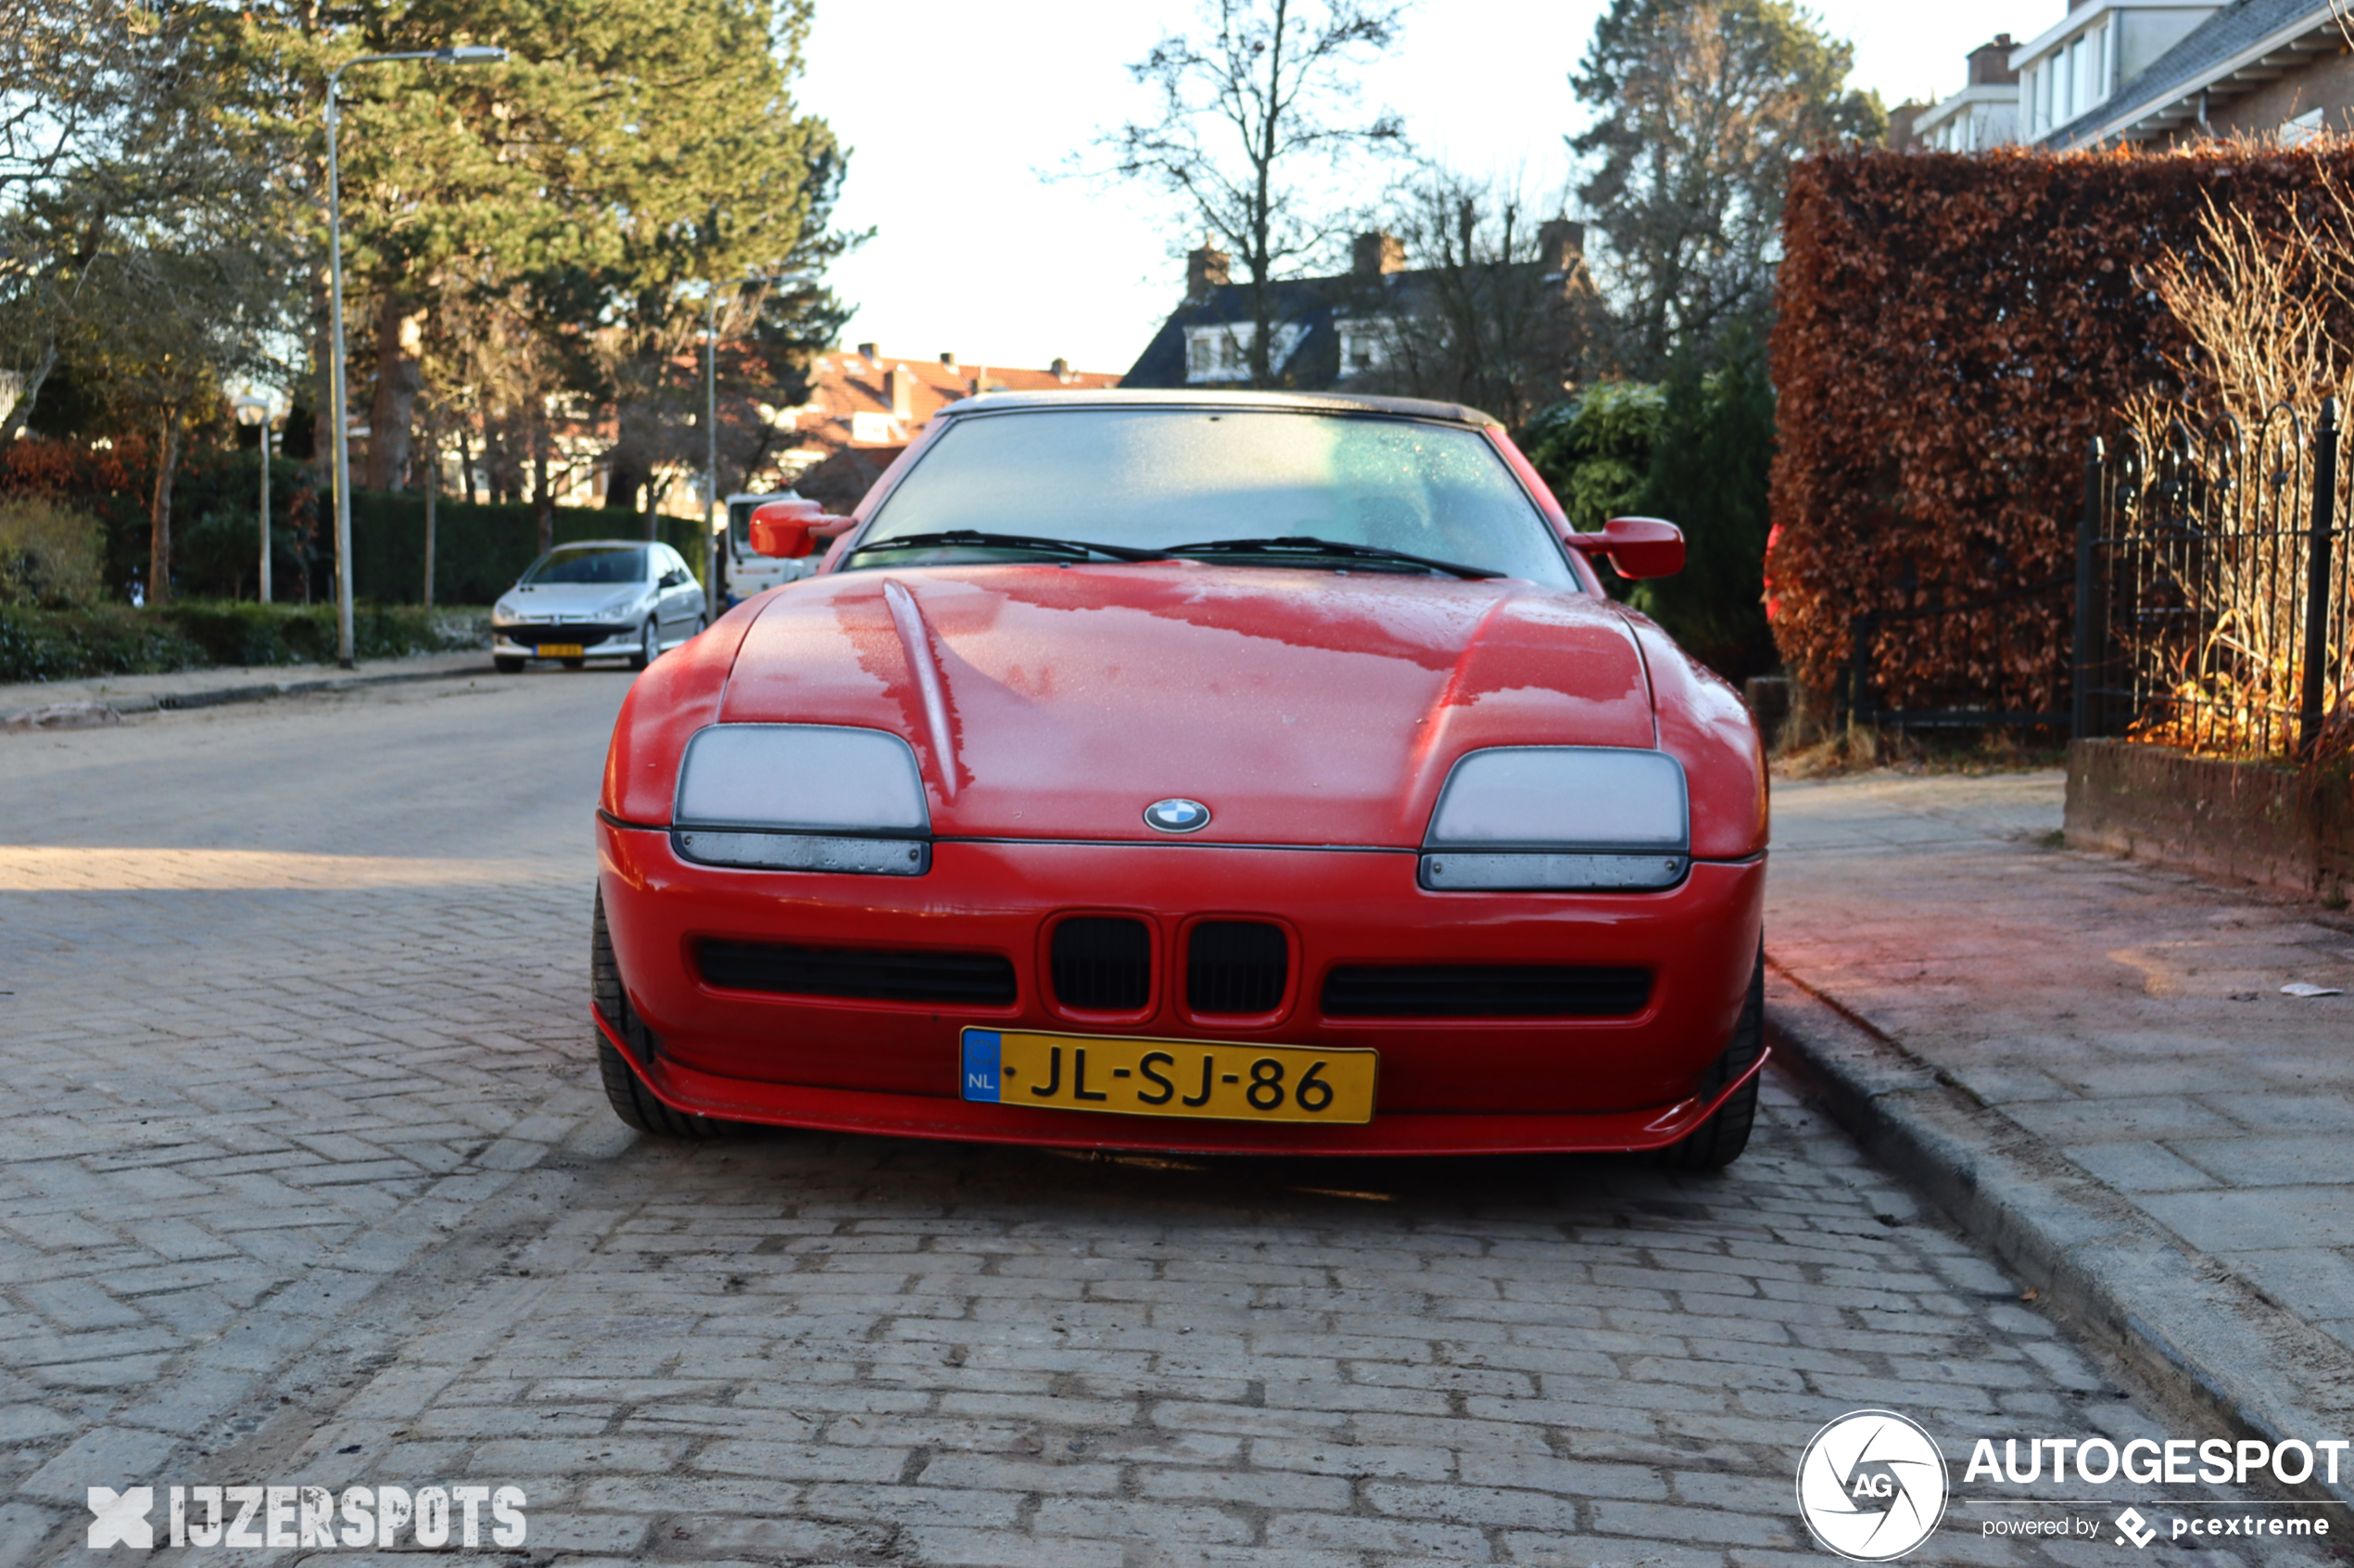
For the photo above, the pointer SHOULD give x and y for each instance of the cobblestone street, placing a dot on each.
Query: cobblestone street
(311, 1183)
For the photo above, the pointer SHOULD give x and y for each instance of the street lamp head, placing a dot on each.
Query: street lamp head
(252, 410)
(470, 54)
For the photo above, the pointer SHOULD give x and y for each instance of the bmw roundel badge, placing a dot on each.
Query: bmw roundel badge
(1177, 817)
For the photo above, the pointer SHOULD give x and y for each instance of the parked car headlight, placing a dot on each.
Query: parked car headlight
(1547, 817)
(802, 797)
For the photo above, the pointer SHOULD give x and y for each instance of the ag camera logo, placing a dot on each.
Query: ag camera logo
(1872, 1486)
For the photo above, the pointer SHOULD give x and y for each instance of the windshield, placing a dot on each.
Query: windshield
(590, 563)
(1151, 478)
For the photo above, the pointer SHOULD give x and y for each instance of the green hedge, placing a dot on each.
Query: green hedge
(117, 640)
(480, 548)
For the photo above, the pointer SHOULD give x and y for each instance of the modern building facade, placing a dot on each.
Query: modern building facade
(2279, 70)
(1984, 114)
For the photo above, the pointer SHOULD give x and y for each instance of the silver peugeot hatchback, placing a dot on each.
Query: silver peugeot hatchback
(599, 599)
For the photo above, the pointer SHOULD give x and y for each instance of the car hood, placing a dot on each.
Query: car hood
(1302, 707)
(571, 600)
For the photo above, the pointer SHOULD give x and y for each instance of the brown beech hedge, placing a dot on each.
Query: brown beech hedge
(1953, 331)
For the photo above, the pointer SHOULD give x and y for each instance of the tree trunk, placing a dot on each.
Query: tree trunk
(324, 414)
(160, 514)
(29, 393)
(433, 493)
(399, 334)
(541, 497)
(466, 462)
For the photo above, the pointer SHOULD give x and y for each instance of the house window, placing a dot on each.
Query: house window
(2299, 129)
(870, 429)
(1220, 351)
(1364, 344)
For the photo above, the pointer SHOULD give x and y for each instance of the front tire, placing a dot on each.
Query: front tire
(649, 645)
(625, 1091)
(505, 665)
(1719, 1141)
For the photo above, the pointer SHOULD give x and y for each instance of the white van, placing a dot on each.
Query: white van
(747, 573)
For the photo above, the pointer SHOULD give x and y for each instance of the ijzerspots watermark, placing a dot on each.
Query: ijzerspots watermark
(307, 1517)
(1874, 1484)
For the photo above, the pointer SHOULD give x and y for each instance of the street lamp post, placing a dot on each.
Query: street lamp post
(467, 54)
(257, 411)
(711, 541)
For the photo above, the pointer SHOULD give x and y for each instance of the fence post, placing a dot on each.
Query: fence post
(2088, 641)
(2317, 581)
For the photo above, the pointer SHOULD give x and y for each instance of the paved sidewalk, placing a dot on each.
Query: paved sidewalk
(140, 693)
(2097, 1055)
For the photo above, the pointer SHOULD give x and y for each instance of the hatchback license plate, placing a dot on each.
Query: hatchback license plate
(1216, 1079)
(559, 650)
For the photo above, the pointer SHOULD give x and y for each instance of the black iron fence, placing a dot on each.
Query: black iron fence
(2210, 607)
(2212, 588)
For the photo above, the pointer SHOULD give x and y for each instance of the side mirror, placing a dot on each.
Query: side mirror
(785, 529)
(1638, 547)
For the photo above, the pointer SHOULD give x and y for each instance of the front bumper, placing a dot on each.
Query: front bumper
(601, 640)
(1489, 1085)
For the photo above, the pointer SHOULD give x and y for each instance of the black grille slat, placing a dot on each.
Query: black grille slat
(578, 631)
(1485, 991)
(1102, 964)
(1236, 967)
(865, 974)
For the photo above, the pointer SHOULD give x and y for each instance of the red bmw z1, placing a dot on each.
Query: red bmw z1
(1242, 772)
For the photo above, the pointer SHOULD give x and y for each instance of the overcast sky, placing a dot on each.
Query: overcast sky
(953, 108)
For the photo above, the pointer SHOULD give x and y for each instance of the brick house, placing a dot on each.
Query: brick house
(864, 404)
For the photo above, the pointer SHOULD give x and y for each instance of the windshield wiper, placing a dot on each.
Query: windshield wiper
(1302, 544)
(951, 537)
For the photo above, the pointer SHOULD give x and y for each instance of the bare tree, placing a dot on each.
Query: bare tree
(1261, 103)
(1502, 313)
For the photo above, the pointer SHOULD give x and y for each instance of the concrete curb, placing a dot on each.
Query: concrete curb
(262, 691)
(2204, 1338)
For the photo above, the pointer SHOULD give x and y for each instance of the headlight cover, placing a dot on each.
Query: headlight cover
(802, 797)
(1559, 818)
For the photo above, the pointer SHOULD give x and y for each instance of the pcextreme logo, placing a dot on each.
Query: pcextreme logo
(1872, 1486)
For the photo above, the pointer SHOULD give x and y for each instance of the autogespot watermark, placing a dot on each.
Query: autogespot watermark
(307, 1517)
(1873, 1486)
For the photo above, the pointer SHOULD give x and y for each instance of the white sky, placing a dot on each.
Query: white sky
(953, 108)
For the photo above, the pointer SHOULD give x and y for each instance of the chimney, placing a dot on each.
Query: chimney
(1990, 64)
(899, 385)
(1378, 253)
(1061, 369)
(949, 359)
(872, 352)
(1561, 245)
(1205, 270)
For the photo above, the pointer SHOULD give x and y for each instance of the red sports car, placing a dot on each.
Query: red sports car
(1218, 772)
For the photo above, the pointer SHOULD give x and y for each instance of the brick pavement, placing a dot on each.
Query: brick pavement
(305, 995)
(318, 1190)
(2130, 1015)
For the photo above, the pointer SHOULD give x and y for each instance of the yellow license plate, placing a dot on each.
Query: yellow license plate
(1219, 1080)
(559, 650)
